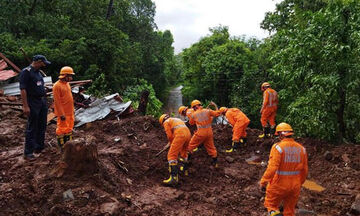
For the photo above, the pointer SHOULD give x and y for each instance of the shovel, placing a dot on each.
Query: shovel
(162, 150)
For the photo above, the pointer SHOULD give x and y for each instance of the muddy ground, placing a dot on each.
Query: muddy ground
(28, 188)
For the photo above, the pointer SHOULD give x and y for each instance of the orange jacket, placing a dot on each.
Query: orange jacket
(189, 112)
(203, 118)
(63, 99)
(270, 98)
(287, 159)
(234, 115)
(174, 127)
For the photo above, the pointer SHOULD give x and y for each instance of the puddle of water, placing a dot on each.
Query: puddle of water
(311, 185)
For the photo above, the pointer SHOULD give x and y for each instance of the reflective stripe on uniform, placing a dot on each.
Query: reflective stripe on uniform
(279, 149)
(287, 173)
(178, 126)
(204, 126)
(272, 99)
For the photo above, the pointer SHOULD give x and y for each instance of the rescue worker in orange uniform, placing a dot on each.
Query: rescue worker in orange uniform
(204, 134)
(268, 110)
(185, 111)
(64, 106)
(239, 121)
(286, 172)
(179, 136)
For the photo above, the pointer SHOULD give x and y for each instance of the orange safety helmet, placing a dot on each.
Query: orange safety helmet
(195, 102)
(162, 118)
(223, 110)
(182, 109)
(265, 84)
(284, 127)
(66, 70)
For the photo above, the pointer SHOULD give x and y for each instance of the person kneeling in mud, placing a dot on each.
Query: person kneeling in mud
(179, 137)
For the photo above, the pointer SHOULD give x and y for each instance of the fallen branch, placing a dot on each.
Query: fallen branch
(10, 104)
(119, 164)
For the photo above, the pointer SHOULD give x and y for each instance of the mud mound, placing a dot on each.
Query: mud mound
(129, 178)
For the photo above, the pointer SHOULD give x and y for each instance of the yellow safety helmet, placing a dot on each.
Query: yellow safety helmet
(162, 118)
(194, 103)
(182, 109)
(264, 85)
(284, 127)
(66, 70)
(223, 110)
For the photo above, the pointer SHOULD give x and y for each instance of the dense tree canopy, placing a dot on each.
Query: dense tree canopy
(114, 43)
(311, 58)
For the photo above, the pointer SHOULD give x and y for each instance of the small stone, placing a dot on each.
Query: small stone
(68, 195)
(351, 186)
(229, 159)
(328, 156)
(129, 181)
(355, 207)
(109, 208)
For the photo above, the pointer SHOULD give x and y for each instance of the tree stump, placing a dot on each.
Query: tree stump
(80, 157)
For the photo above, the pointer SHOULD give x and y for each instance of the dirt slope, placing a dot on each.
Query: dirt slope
(27, 188)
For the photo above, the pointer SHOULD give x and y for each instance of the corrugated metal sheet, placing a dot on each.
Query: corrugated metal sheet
(14, 88)
(99, 109)
(5, 74)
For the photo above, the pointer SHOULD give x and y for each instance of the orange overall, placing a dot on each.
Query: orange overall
(269, 107)
(286, 172)
(179, 136)
(64, 106)
(239, 121)
(204, 134)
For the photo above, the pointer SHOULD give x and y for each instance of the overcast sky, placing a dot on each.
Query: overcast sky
(189, 20)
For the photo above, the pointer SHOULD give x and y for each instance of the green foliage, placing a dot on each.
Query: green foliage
(316, 60)
(224, 70)
(133, 93)
(112, 50)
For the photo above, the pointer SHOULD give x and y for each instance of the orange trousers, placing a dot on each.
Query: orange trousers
(179, 145)
(203, 136)
(65, 127)
(286, 190)
(239, 130)
(268, 115)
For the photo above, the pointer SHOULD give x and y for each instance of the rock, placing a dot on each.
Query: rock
(109, 208)
(351, 186)
(355, 207)
(68, 195)
(328, 156)
(303, 212)
(229, 159)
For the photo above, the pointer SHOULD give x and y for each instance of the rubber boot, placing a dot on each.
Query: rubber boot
(264, 133)
(68, 137)
(184, 166)
(234, 146)
(244, 141)
(61, 142)
(174, 175)
(275, 213)
(268, 132)
(272, 131)
(214, 162)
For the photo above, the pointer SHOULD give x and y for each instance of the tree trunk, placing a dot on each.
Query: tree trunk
(143, 102)
(109, 10)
